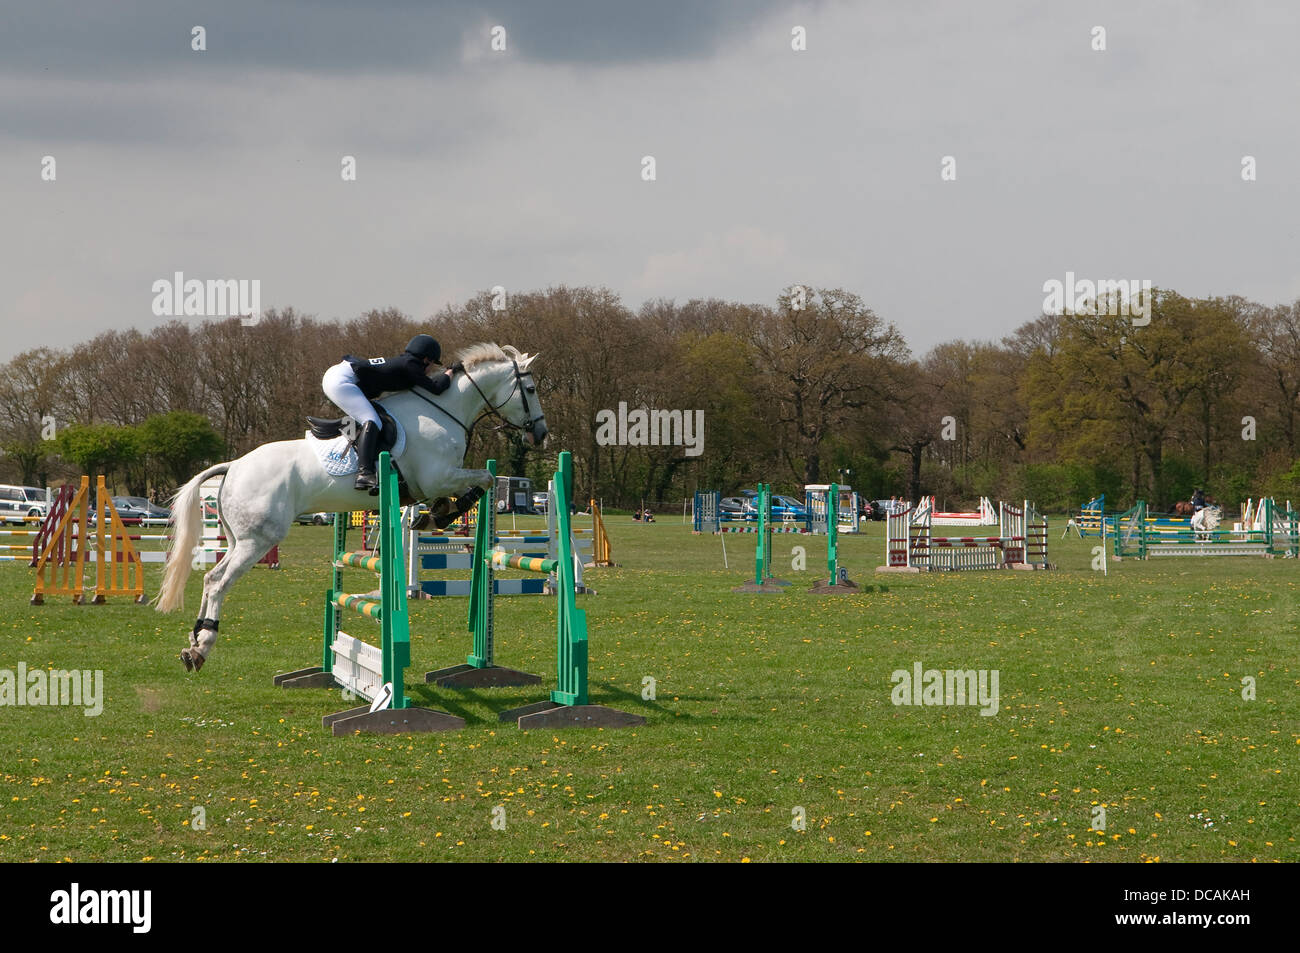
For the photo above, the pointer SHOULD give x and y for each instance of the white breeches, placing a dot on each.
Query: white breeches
(340, 386)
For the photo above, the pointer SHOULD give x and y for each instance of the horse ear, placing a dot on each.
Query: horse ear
(527, 361)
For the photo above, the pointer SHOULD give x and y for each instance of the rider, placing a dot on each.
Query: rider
(1198, 500)
(353, 382)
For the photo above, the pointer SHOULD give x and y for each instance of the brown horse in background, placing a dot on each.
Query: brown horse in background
(1183, 508)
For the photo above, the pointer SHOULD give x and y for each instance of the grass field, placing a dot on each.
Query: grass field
(1123, 691)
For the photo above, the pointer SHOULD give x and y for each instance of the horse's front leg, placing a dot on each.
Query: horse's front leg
(477, 482)
(480, 478)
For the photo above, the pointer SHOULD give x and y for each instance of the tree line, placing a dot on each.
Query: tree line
(813, 388)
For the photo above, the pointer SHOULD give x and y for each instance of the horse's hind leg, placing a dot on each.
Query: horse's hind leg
(211, 580)
(242, 557)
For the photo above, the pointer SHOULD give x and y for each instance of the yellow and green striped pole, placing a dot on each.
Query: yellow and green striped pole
(390, 611)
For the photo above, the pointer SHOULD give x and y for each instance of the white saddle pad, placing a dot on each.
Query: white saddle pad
(337, 457)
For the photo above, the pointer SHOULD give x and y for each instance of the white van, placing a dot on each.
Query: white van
(19, 501)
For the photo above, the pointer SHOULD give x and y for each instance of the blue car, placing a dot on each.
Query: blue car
(789, 509)
(784, 509)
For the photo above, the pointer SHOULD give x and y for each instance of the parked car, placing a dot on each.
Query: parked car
(130, 513)
(734, 505)
(882, 508)
(788, 508)
(20, 501)
(785, 508)
(866, 511)
(314, 519)
(153, 512)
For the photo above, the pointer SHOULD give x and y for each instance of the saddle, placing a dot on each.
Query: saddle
(442, 511)
(327, 428)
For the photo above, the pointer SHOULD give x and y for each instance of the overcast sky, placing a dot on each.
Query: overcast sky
(523, 168)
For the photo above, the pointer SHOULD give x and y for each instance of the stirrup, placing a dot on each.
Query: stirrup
(367, 480)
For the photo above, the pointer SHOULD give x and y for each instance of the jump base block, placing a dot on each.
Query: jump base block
(549, 715)
(305, 678)
(843, 587)
(391, 721)
(493, 676)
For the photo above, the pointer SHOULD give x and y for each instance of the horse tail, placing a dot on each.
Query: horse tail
(186, 523)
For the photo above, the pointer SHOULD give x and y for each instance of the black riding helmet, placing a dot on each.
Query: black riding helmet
(423, 345)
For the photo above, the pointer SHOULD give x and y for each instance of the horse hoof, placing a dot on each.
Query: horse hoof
(192, 659)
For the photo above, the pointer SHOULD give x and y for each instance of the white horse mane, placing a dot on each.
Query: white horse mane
(486, 352)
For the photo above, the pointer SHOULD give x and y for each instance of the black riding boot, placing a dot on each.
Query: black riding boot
(367, 454)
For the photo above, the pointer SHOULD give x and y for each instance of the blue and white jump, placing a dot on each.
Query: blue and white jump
(439, 552)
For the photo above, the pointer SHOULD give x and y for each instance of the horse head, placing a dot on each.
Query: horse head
(504, 378)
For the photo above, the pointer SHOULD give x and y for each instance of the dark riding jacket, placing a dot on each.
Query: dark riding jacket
(379, 375)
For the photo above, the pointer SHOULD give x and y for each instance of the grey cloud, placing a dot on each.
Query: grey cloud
(150, 39)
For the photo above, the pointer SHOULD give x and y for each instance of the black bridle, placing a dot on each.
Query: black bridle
(490, 410)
